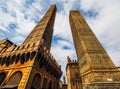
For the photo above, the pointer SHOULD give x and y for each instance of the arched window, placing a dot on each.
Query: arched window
(27, 56)
(12, 59)
(7, 61)
(2, 77)
(17, 58)
(13, 81)
(33, 54)
(22, 59)
(3, 60)
(36, 82)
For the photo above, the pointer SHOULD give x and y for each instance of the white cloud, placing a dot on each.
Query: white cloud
(15, 12)
(62, 27)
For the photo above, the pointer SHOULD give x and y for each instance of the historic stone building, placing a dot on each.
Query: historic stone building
(96, 67)
(73, 74)
(31, 65)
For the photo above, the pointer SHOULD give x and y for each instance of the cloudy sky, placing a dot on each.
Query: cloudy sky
(18, 18)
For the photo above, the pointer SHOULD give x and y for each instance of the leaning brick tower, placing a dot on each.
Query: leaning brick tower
(96, 67)
(31, 65)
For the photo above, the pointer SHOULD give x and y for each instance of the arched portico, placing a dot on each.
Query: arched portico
(13, 81)
(36, 82)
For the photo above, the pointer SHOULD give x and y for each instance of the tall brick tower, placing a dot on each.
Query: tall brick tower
(96, 68)
(30, 65)
(44, 30)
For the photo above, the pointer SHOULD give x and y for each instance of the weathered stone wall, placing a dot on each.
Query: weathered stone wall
(103, 85)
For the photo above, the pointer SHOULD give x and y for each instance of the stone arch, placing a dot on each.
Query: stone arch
(27, 56)
(17, 58)
(3, 60)
(13, 81)
(22, 58)
(33, 54)
(2, 77)
(7, 61)
(12, 58)
(44, 86)
(36, 82)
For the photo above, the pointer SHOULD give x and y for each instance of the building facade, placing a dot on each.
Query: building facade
(31, 65)
(73, 75)
(96, 67)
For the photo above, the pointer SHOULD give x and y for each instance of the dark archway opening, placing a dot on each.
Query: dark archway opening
(3, 60)
(36, 82)
(22, 59)
(2, 77)
(7, 61)
(12, 59)
(13, 82)
(17, 58)
(27, 56)
(33, 54)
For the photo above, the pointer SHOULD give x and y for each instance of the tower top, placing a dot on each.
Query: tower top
(68, 59)
(43, 31)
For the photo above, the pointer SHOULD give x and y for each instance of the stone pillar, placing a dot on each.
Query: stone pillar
(41, 83)
(24, 83)
(47, 84)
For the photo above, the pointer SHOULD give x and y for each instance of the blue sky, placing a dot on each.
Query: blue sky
(18, 18)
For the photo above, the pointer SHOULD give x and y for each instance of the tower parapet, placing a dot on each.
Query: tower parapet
(71, 62)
